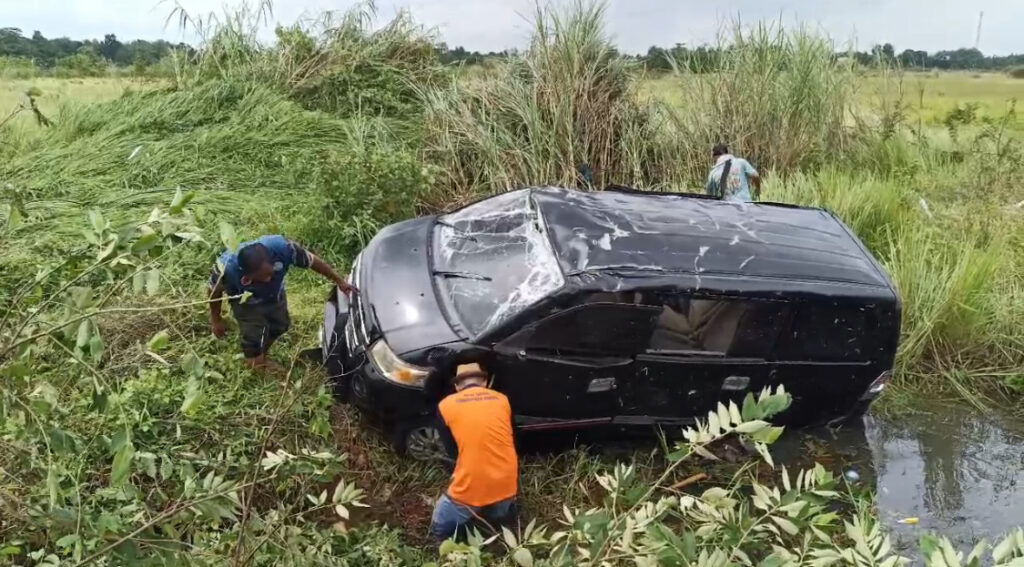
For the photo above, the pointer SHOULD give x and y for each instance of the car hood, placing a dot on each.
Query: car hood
(397, 289)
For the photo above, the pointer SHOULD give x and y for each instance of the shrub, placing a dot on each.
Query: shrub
(372, 181)
(1016, 72)
(17, 68)
(85, 63)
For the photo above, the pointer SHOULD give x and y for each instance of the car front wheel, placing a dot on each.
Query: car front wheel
(423, 440)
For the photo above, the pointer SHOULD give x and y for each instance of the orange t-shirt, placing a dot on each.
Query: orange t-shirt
(487, 468)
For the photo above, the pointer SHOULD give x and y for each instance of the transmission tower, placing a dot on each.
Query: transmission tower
(977, 36)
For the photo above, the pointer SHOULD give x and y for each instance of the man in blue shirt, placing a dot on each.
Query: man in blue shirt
(253, 279)
(731, 178)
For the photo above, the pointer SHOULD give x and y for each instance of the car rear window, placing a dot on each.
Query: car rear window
(492, 260)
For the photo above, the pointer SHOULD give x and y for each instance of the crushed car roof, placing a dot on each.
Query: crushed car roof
(648, 234)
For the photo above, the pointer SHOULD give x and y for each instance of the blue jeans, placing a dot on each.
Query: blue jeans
(450, 517)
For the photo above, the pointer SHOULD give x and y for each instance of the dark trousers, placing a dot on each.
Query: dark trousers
(260, 324)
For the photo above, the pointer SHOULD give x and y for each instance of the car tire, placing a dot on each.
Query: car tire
(422, 439)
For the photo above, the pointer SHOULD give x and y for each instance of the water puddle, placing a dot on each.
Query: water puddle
(958, 470)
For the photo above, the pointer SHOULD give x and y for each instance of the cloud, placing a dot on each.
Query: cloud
(636, 24)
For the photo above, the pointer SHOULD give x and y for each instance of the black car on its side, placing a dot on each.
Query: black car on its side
(616, 307)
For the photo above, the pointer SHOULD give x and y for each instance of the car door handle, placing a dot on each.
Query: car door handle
(597, 385)
(736, 383)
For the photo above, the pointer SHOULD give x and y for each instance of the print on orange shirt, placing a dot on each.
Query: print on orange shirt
(487, 468)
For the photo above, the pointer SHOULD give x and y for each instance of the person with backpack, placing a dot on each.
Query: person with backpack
(732, 178)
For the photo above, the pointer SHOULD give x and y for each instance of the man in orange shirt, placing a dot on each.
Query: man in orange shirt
(486, 475)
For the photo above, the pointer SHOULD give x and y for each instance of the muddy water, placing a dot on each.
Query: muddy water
(959, 471)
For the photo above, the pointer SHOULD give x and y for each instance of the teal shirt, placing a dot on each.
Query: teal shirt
(738, 185)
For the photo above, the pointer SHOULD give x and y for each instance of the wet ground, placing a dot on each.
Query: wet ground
(958, 470)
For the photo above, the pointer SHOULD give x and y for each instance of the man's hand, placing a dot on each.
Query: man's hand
(218, 327)
(347, 288)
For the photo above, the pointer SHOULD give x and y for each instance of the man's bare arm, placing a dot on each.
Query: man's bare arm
(755, 181)
(325, 270)
(216, 321)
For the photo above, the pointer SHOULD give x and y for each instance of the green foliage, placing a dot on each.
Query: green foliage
(371, 183)
(17, 68)
(350, 68)
(124, 455)
(44, 52)
(804, 519)
(85, 63)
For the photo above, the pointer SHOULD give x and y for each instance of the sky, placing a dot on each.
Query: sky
(494, 25)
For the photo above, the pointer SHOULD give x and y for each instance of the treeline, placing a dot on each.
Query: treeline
(22, 55)
(459, 54)
(46, 52)
(706, 58)
(92, 57)
(702, 59)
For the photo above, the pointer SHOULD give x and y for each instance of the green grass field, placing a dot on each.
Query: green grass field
(933, 95)
(128, 435)
(929, 97)
(57, 94)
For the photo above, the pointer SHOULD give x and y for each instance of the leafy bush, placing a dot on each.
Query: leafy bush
(12, 68)
(1016, 72)
(130, 450)
(86, 63)
(372, 182)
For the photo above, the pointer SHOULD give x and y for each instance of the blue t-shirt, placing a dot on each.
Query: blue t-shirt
(738, 185)
(283, 254)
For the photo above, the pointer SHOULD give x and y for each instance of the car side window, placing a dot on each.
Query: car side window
(608, 329)
(828, 333)
(714, 326)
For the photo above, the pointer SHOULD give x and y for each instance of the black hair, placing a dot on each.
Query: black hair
(252, 257)
(719, 150)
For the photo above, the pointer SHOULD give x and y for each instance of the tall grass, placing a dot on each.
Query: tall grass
(959, 283)
(339, 62)
(569, 99)
(776, 96)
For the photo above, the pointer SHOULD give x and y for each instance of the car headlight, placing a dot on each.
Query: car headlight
(394, 368)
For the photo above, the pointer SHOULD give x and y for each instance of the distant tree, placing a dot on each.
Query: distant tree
(110, 47)
(913, 58)
(87, 62)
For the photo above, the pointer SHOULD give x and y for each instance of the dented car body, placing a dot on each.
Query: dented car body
(616, 307)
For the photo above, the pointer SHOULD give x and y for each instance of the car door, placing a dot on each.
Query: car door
(702, 351)
(829, 355)
(570, 365)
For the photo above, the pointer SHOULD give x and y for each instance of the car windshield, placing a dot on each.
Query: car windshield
(492, 260)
